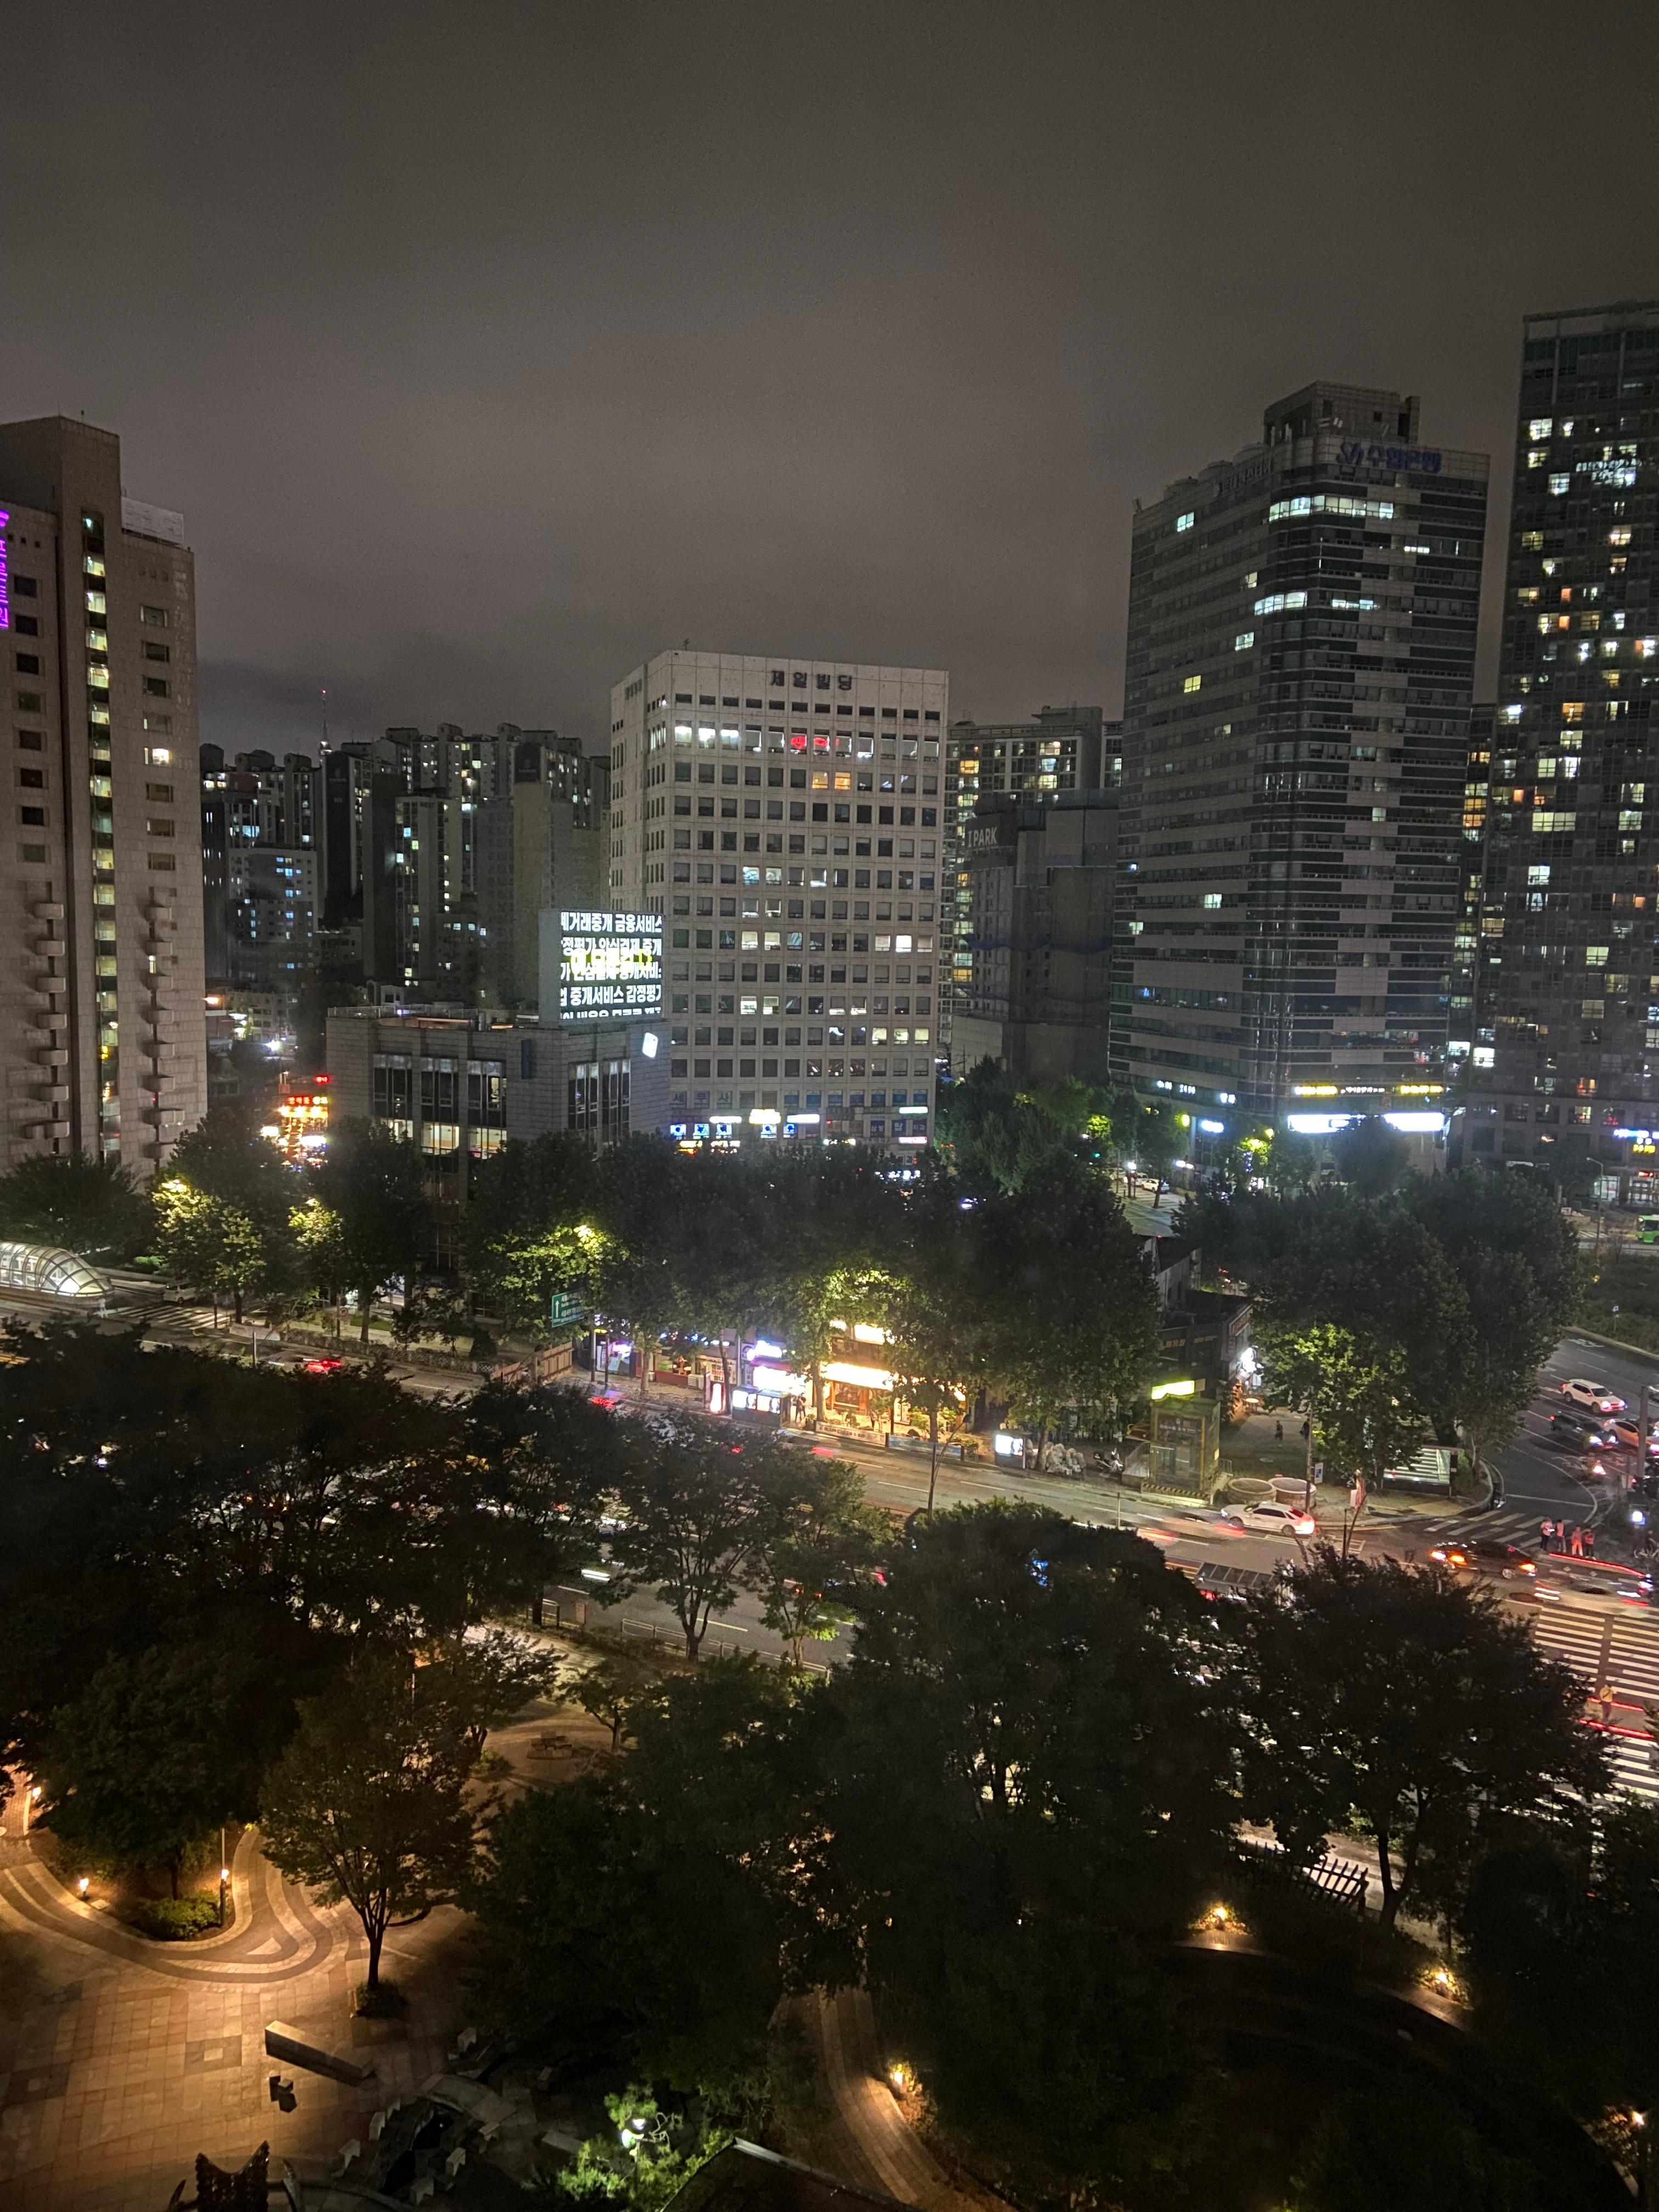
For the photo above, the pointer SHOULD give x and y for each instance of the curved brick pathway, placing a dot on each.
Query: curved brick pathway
(120, 2059)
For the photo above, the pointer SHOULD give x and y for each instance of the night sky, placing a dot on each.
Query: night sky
(488, 348)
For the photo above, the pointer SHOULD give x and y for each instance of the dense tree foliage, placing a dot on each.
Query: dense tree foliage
(256, 1526)
(1023, 1780)
(1449, 1293)
(79, 1204)
(1414, 1707)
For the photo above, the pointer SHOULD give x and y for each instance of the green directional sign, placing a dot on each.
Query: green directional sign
(563, 1309)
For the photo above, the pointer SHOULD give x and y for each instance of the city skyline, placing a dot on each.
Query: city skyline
(897, 405)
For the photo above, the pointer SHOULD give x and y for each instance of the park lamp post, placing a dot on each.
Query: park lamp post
(1639, 2122)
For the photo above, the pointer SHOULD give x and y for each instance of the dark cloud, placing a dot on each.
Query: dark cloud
(489, 349)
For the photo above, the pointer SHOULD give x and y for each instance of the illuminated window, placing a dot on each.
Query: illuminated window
(1193, 684)
(1184, 521)
(1559, 484)
(1540, 426)
(1212, 899)
(1244, 640)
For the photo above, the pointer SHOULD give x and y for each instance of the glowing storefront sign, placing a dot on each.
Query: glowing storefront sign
(780, 1381)
(610, 965)
(861, 1378)
(5, 573)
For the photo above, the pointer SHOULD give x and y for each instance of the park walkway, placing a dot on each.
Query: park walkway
(121, 2058)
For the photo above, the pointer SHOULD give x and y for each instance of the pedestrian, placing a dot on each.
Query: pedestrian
(1305, 1432)
(1604, 1699)
(1588, 1543)
(1546, 1535)
(1576, 1541)
(1278, 1432)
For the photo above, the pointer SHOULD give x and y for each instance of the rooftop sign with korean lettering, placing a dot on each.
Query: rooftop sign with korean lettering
(609, 965)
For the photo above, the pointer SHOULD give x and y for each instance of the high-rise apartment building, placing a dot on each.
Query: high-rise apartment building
(439, 851)
(1471, 885)
(102, 1038)
(259, 872)
(1061, 749)
(1301, 657)
(359, 834)
(783, 814)
(1565, 1049)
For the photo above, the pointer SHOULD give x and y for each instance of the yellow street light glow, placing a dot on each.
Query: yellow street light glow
(1185, 1389)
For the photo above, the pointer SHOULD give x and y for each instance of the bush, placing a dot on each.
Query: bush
(174, 1919)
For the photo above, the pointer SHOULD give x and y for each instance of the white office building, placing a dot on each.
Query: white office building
(783, 816)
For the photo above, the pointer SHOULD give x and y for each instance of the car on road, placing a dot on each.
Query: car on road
(1592, 1586)
(1576, 1431)
(1269, 1520)
(1595, 1397)
(1486, 1556)
(325, 1364)
(1627, 1432)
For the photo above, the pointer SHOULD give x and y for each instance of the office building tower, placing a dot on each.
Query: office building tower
(1061, 749)
(1035, 935)
(783, 814)
(102, 1037)
(1301, 655)
(1566, 1046)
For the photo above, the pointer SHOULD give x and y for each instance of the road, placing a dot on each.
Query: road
(1541, 1481)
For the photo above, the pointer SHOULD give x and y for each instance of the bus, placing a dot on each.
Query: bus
(1647, 1229)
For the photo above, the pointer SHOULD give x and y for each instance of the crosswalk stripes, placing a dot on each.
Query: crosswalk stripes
(1624, 1652)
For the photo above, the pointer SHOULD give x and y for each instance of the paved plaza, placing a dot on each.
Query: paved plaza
(121, 2058)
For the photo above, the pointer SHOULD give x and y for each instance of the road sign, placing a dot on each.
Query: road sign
(563, 1309)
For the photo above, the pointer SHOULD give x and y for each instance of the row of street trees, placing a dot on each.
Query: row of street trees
(1035, 1294)
(1427, 1309)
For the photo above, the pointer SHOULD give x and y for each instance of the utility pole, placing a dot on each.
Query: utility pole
(1642, 1463)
